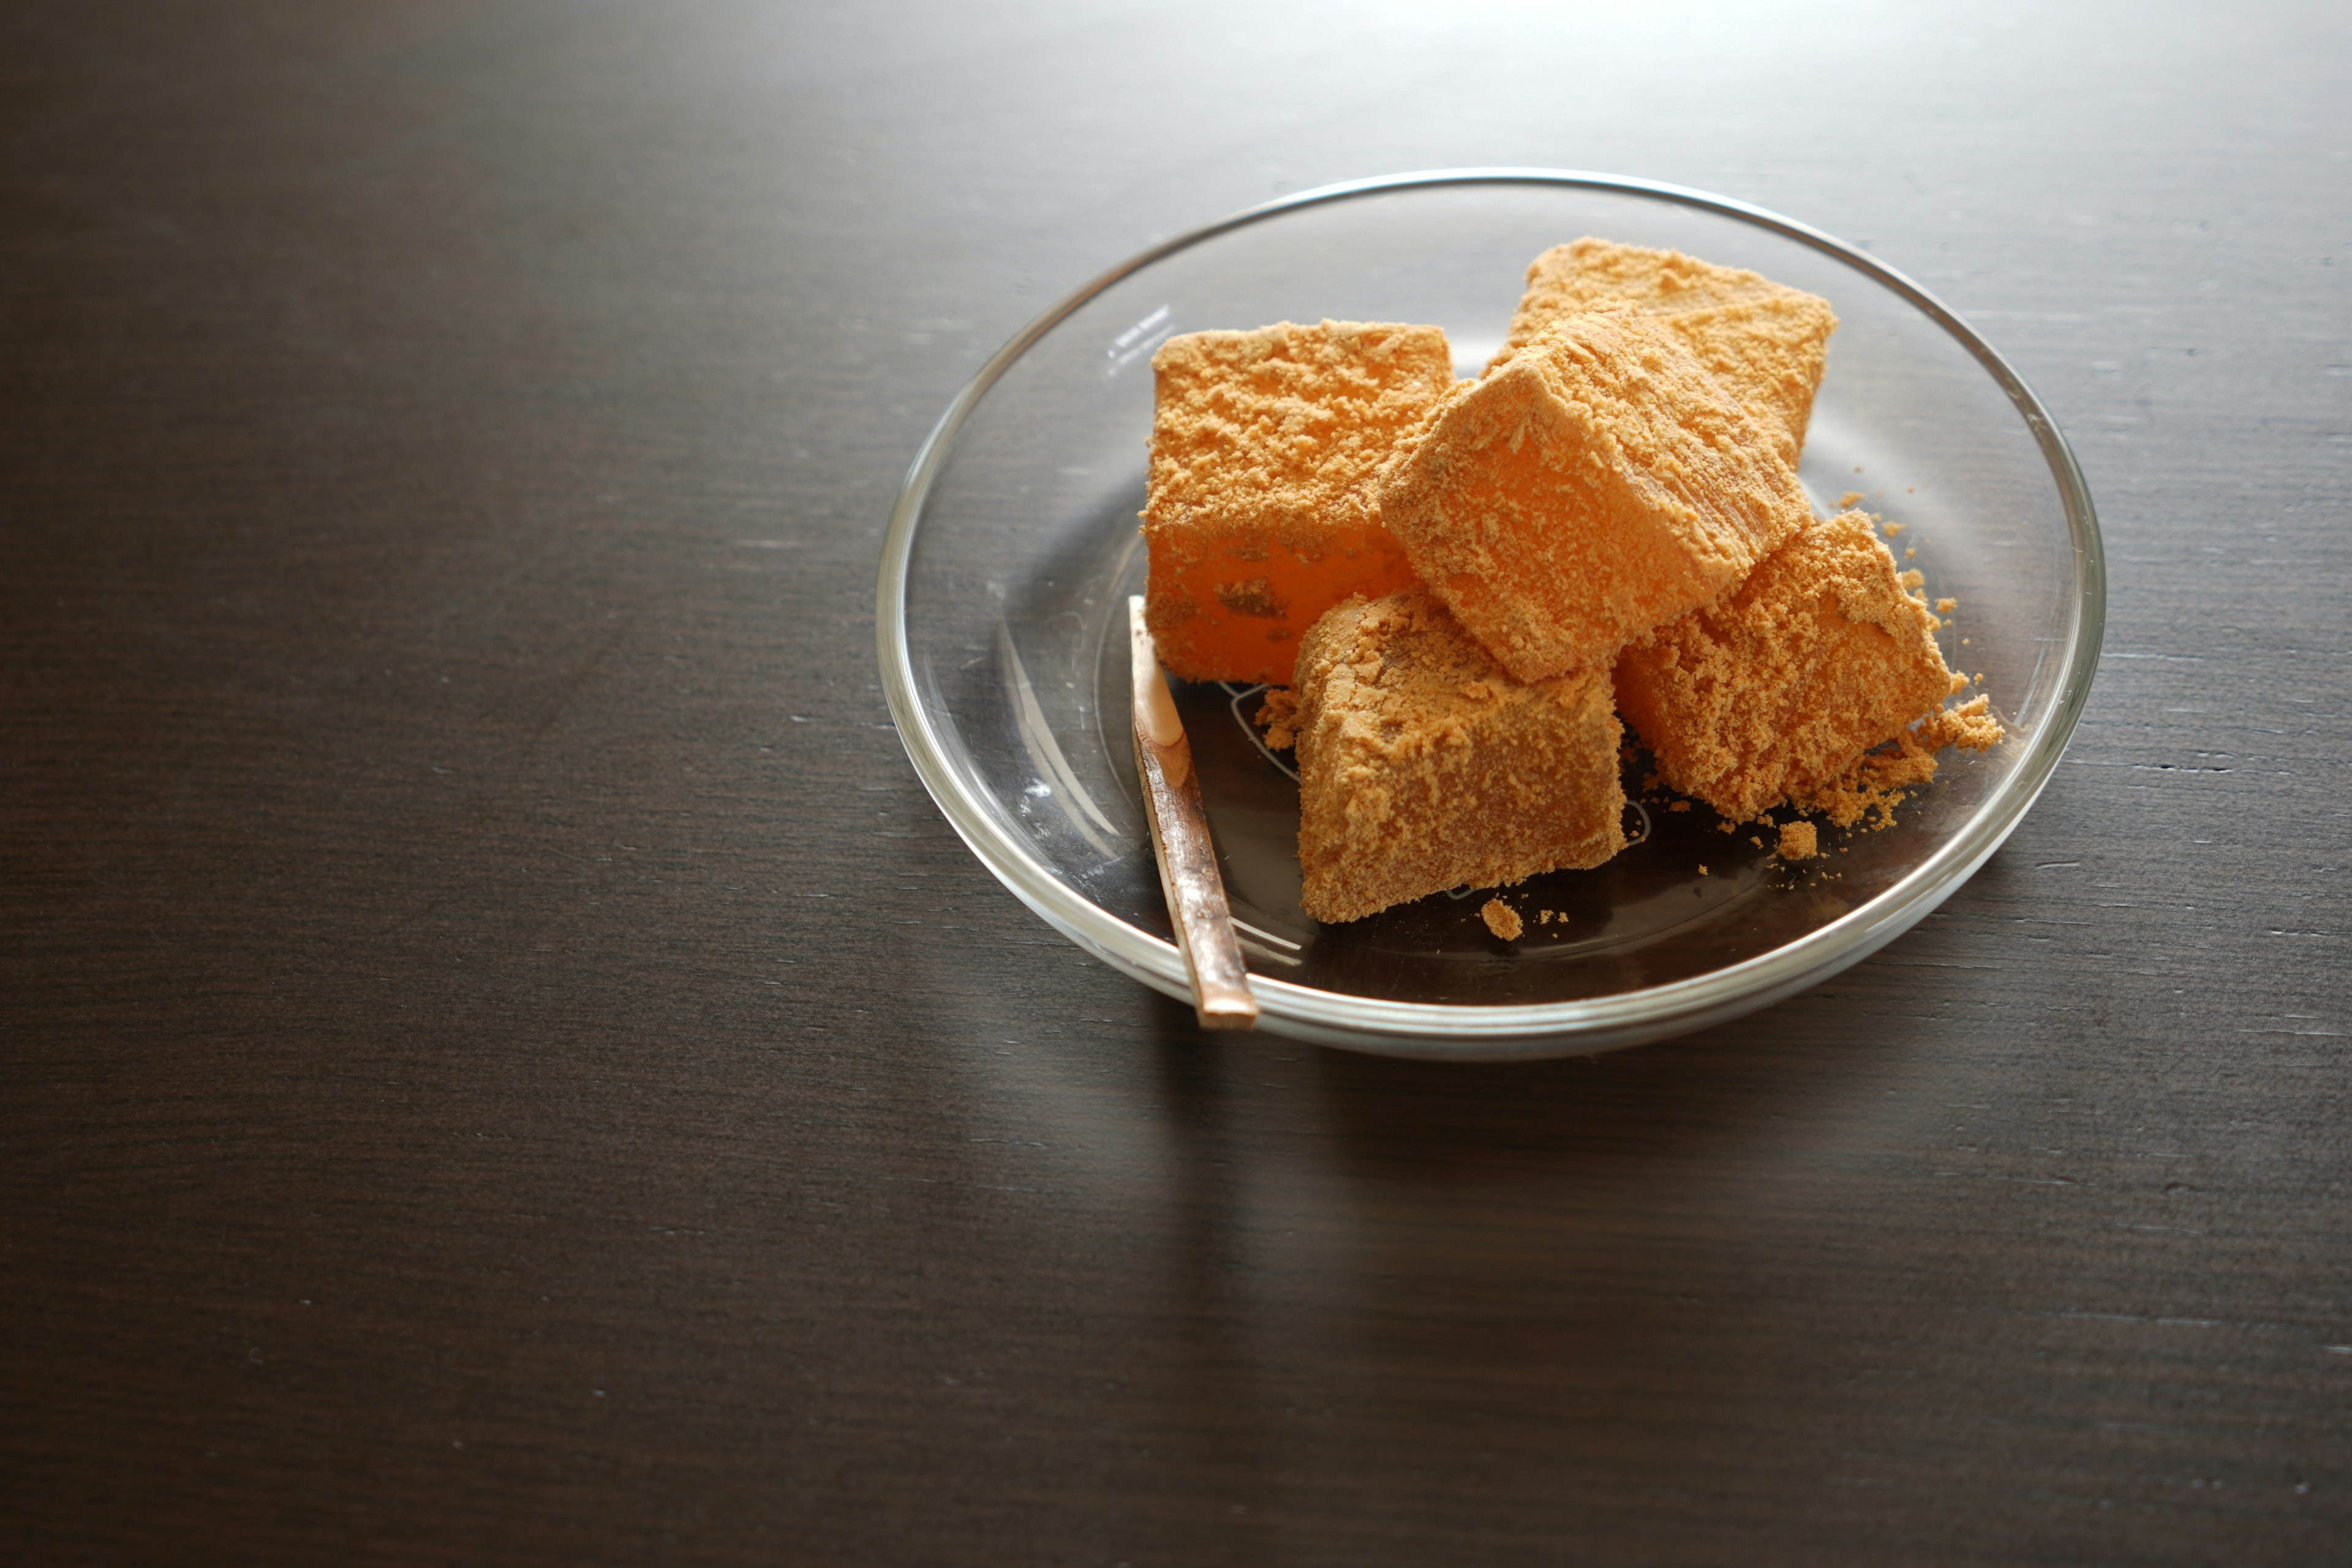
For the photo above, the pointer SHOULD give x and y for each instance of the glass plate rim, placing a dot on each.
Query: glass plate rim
(1589, 1024)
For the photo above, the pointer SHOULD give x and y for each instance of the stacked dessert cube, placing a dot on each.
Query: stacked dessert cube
(1466, 583)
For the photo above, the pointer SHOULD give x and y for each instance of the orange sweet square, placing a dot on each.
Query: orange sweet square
(1766, 343)
(1261, 512)
(1423, 765)
(1776, 693)
(1599, 484)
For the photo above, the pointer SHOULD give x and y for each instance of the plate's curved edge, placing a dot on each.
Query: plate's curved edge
(1397, 1028)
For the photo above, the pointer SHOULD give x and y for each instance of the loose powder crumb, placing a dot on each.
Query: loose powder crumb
(1897, 527)
(1850, 498)
(1884, 779)
(1502, 919)
(1278, 717)
(1946, 606)
(1702, 871)
(1798, 841)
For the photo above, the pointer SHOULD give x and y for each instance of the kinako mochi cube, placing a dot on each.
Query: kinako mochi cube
(1261, 512)
(1423, 765)
(1596, 485)
(1778, 691)
(1764, 341)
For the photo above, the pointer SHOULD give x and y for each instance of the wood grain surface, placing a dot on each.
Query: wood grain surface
(500, 1060)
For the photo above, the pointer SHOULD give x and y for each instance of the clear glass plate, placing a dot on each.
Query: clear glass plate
(1013, 546)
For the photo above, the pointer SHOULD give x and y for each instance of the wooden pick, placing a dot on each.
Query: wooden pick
(1181, 842)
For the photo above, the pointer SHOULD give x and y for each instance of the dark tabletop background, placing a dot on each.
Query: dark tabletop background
(501, 1061)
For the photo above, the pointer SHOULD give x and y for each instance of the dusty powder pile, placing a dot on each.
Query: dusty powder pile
(1869, 792)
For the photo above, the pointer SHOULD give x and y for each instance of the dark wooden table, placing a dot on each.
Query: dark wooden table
(500, 1062)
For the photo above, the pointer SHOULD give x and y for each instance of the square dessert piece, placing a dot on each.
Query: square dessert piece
(1423, 765)
(1778, 691)
(1597, 485)
(1765, 342)
(1261, 512)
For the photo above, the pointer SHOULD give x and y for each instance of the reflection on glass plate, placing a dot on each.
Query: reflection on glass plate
(1013, 546)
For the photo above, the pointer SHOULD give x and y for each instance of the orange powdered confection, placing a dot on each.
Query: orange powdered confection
(1597, 485)
(1261, 512)
(1798, 841)
(1423, 765)
(1777, 693)
(1765, 343)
